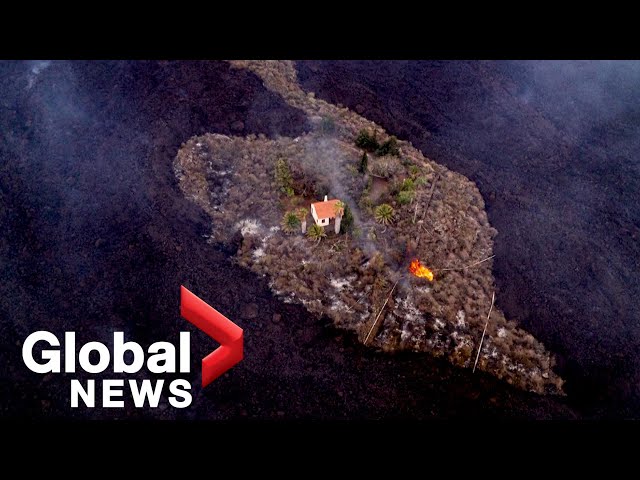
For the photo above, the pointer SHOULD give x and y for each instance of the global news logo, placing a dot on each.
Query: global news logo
(161, 357)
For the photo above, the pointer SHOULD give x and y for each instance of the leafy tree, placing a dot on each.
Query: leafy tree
(390, 147)
(290, 222)
(283, 177)
(346, 225)
(367, 141)
(316, 232)
(364, 163)
(384, 214)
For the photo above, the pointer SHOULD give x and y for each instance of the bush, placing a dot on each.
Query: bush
(290, 222)
(386, 167)
(405, 197)
(390, 147)
(364, 163)
(367, 141)
(283, 177)
(316, 232)
(408, 185)
(384, 214)
(346, 224)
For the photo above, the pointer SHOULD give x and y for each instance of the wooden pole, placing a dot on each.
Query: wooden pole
(380, 312)
(468, 266)
(493, 298)
(433, 188)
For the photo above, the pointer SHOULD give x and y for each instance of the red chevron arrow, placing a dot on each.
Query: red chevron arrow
(218, 327)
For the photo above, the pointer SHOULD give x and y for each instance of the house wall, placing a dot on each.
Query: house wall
(319, 221)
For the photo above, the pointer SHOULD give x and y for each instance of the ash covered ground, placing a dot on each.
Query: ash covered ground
(96, 237)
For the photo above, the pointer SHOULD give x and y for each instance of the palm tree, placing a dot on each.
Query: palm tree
(301, 213)
(384, 214)
(316, 232)
(290, 222)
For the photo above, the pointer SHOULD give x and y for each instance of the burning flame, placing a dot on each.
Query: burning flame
(419, 270)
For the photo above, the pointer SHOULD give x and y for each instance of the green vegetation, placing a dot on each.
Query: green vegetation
(316, 232)
(405, 197)
(406, 191)
(364, 163)
(390, 147)
(367, 141)
(386, 167)
(283, 177)
(301, 213)
(384, 214)
(290, 222)
(346, 225)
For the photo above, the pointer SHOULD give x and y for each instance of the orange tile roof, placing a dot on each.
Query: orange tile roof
(326, 209)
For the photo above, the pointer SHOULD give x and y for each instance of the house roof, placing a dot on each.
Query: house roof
(326, 209)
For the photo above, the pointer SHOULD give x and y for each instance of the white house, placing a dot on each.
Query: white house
(323, 212)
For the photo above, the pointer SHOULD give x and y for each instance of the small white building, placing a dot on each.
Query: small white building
(323, 212)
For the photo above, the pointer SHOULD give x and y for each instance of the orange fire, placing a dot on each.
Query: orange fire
(419, 270)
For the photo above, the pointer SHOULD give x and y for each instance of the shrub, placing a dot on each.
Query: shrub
(386, 167)
(290, 222)
(407, 185)
(405, 197)
(316, 232)
(390, 147)
(367, 141)
(283, 177)
(364, 163)
(346, 224)
(365, 202)
(384, 214)
(301, 214)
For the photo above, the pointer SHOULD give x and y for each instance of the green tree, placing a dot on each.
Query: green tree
(290, 222)
(364, 163)
(316, 232)
(346, 225)
(283, 177)
(367, 141)
(390, 147)
(384, 214)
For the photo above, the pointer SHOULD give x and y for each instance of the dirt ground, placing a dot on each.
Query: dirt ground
(97, 237)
